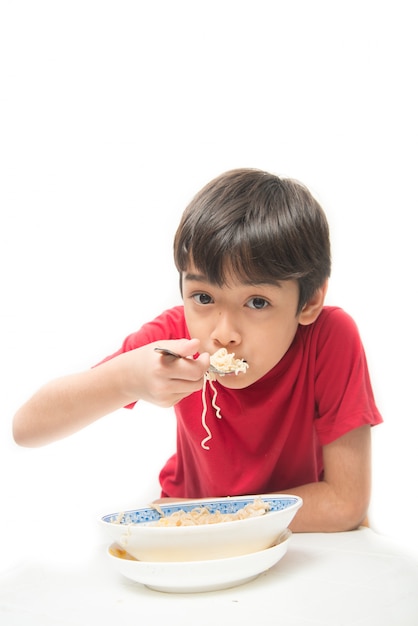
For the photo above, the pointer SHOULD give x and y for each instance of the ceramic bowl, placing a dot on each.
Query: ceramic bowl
(136, 531)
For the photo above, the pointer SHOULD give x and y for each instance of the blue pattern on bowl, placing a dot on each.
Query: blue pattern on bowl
(147, 515)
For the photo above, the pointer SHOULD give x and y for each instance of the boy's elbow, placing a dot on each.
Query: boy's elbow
(18, 434)
(352, 514)
(21, 434)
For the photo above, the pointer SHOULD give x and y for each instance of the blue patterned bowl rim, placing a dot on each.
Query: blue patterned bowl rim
(223, 505)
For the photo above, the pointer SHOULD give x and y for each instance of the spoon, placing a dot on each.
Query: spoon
(168, 352)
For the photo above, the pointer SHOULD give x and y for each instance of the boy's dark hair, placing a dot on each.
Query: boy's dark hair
(258, 226)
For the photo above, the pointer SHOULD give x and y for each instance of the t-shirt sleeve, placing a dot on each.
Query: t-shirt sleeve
(343, 392)
(169, 325)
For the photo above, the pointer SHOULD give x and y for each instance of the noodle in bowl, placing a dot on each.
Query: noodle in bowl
(228, 527)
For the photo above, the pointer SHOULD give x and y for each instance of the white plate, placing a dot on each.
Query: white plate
(196, 576)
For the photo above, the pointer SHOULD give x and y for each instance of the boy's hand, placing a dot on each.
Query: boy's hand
(165, 380)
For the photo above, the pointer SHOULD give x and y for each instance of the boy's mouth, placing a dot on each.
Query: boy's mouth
(223, 362)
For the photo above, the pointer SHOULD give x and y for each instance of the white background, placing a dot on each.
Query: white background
(113, 114)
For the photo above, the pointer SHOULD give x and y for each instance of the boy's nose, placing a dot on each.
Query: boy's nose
(225, 331)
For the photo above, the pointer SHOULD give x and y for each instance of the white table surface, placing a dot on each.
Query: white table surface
(342, 579)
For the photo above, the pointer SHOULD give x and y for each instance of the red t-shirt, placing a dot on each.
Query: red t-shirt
(270, 434)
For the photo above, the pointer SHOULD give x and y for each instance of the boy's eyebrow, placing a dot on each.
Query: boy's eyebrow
(202, 278)
(196, 277)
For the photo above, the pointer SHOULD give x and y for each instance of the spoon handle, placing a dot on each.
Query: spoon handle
(168, 352)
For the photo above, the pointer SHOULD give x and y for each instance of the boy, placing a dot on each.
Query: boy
(253, 255)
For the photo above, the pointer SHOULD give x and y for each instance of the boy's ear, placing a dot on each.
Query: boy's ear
(313, 307)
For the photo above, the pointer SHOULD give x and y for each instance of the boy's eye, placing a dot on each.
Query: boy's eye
(257, 303)
(202, 298)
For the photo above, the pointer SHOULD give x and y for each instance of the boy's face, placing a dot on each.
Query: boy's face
(257, 322)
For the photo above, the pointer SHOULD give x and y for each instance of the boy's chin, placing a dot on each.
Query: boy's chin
(235, 381)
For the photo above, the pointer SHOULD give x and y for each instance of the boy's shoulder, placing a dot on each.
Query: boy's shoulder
(335, 316)
(332, 312)
(169, 324)
(333, 325)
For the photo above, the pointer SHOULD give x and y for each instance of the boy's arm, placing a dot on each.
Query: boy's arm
(68, 404)
(341, 500)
